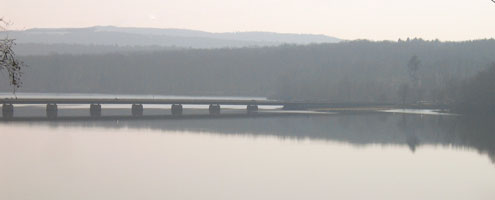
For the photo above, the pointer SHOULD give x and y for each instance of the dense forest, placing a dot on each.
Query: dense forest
(404, 71)
(477, 94)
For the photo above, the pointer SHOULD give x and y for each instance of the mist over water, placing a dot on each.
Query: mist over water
(228, 100)
(349, 156)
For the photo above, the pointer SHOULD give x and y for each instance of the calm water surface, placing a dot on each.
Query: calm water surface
(361, 156)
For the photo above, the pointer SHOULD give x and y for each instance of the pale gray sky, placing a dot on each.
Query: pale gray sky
(348, 19)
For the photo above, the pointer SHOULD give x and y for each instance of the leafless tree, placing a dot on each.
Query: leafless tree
(8, 60)
(413, 68)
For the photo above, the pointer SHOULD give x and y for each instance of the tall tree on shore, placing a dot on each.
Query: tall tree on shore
(413, 68)
(8, 60)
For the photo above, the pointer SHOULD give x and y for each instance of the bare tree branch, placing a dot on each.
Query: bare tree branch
(8, 59)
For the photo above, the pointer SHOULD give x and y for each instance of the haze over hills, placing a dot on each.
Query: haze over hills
(40, 41)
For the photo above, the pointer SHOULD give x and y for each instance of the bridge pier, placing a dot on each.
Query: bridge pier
(176, 109)
(251, 109)
(51, 110)
(95, 110)
(214, 109)
(7, 110)
(137, 110)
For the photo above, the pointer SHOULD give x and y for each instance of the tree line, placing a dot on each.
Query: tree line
(401, 72)
(475, 95)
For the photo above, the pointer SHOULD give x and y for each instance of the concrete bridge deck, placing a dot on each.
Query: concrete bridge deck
(139, 101)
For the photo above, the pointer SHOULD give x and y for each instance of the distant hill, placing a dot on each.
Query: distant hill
(139, 37)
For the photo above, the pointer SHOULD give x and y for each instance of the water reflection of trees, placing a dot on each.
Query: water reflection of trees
(356, 129)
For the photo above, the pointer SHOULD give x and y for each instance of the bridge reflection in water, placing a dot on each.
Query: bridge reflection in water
(362, 129)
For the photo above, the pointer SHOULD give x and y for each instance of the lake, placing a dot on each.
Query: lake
(310, 156)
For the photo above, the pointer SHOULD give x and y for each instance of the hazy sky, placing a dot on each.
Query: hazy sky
(348, 19)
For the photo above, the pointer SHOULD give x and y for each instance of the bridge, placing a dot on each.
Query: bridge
(176, 104)
(136, 104)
